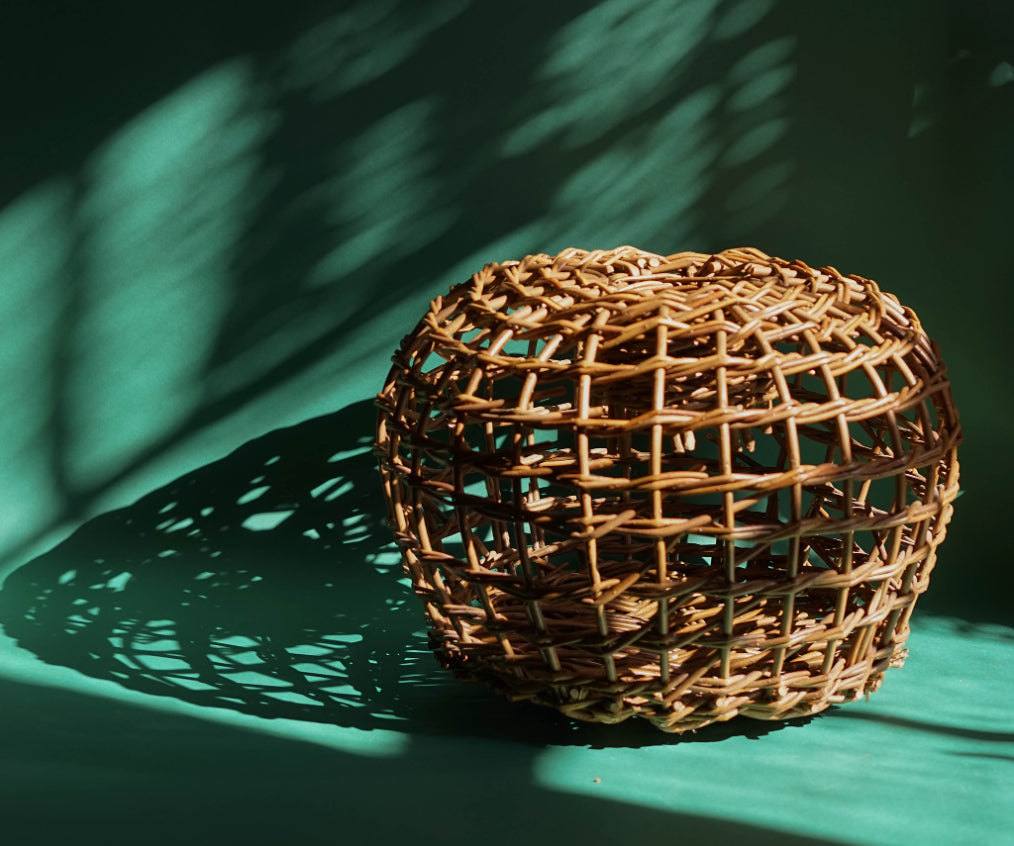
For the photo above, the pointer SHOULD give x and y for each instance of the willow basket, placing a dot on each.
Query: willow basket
(681, 488)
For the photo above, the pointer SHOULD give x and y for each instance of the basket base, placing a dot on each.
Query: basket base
(683, 703)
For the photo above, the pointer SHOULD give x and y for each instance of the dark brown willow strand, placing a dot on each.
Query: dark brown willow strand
(680, 488)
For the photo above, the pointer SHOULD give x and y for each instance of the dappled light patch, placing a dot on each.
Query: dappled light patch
(364, 41)
(35, 241)
(163, 206)
(608, 64)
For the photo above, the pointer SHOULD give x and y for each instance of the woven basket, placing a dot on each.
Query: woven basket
(680, 488)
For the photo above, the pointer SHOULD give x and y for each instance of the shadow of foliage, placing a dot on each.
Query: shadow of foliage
(266, 582)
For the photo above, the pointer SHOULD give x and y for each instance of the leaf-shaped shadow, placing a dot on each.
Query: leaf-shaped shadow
(267, 582)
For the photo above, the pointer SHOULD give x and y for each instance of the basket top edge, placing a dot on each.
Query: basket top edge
(625, 264)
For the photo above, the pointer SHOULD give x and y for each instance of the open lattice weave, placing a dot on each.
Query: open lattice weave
(681, 488)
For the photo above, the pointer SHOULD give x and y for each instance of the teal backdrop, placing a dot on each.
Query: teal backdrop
(217, 220)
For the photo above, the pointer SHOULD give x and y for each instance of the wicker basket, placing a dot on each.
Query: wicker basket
(681, 488)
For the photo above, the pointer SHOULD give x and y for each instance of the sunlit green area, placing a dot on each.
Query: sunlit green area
(32, 305)
(214, 229)
(162, 208)
(889, 756)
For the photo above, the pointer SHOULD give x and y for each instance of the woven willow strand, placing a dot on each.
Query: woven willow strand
(680, 488)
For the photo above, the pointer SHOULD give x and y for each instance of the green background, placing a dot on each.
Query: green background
(216, 222)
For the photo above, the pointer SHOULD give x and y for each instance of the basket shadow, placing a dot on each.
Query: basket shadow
(266, 582)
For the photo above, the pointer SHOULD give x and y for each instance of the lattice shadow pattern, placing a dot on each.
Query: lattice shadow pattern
(259, 583)
(680, 488)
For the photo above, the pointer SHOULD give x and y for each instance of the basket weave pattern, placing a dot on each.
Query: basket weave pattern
(680, 488)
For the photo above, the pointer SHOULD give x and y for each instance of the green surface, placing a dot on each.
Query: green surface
(214, 228)
(240, 641)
